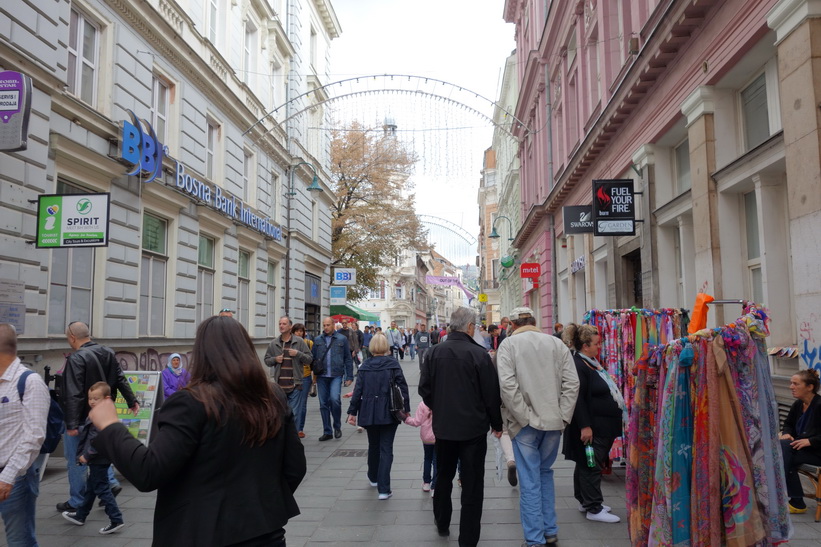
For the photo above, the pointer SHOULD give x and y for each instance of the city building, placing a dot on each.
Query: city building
(711, 109)
(489, 268)
(195, 119)
(401, 295)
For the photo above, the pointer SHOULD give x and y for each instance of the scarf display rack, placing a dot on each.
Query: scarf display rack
(624, 332)
(704, 463)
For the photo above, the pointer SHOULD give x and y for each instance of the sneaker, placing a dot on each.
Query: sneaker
(426, 487)
(71, 516)
(431, 492)
(371, 482)
(66, 506)
(550, 540)
(337, 433)
(112, 527)
(602, 516)
(511, 474)
(796, 510)
(360, 429)
(385, 496)
(603, 508)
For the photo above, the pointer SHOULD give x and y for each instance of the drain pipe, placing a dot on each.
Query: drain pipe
(554, 296)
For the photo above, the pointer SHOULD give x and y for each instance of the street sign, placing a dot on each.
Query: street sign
(72, 220)
(482, 297)
(343, 276)
(578, 219)
(614, 210)
(339, 295)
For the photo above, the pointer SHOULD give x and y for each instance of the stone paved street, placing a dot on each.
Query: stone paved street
(339, 508)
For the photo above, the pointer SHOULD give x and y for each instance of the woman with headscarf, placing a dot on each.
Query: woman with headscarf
(174, 377)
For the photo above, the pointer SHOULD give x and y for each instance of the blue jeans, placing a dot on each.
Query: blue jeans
(295, 401)
(535, 453)
(98, 487)
(77, 473)
(412, 351)
(18, 509)
(329, 390)
(430, 462)
(300, 418)
(380, 455)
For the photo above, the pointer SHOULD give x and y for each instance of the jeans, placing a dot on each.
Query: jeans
(421, 353)
(380, 455)
(329, 390)
(295, 401)
(430, 462)
(112, 480)
(98, 487)
(77, 473)
(535, 453)
(412, 351)
(792, 461)
(471, 457)
(587, 480)
(18, 509)
(306, 388)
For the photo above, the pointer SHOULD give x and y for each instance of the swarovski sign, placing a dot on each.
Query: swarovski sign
(578, 219)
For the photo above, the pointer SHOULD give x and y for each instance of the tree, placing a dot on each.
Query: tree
(372, 221)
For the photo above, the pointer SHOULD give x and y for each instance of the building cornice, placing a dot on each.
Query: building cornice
(787, 15)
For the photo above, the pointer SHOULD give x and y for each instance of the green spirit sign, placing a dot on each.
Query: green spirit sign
(72, 220)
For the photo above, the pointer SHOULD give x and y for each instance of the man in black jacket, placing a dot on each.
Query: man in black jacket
(460, 386)
(90, 363)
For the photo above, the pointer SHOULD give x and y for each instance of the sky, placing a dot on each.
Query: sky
(462, 42)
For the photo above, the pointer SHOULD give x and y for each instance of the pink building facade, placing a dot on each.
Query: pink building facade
(712, 108)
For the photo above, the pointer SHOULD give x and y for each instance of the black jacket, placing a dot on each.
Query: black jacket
(85, 448)
(812, 429)
(595, 408)
(81, 372)
(212, 488)
(460, 385)
(371, 398)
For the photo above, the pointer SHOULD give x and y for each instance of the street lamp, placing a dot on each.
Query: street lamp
(495, 235)
(314, 187)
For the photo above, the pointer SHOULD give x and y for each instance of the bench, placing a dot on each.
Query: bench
(813, 473)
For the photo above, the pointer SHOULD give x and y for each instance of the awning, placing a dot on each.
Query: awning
(353, 311)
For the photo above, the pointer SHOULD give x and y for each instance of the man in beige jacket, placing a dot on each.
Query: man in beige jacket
(539, 386)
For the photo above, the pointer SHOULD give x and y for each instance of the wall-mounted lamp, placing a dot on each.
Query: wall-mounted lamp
(495, 235)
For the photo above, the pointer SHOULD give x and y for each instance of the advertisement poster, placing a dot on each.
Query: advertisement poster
(614, 208)
(146, 388)
(72, 220)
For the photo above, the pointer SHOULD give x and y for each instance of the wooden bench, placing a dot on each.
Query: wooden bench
(813, 473)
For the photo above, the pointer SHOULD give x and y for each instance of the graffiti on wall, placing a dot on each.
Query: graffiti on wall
(810, 347)
(148, 360)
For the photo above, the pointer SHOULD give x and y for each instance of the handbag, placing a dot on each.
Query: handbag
(397, 406)
(312, 392)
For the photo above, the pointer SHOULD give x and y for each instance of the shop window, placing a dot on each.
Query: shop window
(244, 288)
(205, 278)
(70, 294)
(153, 276)
(83, 57)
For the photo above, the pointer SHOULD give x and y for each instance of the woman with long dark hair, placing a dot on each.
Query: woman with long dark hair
(801, 436)
(226, 459)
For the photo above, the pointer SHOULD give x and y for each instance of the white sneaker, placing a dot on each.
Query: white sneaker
(431, 493)
(602, 516)
(385, 496)
(426, 487)
(603, 508)
(370, 482)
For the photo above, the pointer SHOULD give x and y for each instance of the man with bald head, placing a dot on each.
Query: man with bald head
(90, 363)
(333, 364)
(23, 426)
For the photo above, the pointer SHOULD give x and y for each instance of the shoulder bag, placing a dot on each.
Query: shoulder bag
(397, 402)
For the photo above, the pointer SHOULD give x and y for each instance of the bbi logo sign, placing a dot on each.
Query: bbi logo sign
(344, 276)
(140, 148)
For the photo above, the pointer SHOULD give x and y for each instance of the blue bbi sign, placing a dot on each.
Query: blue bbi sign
(140, 149)
(344, 276)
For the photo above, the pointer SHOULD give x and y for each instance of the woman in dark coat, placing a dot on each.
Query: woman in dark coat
(597, 421)
(801, 434)
(226, 458)
(370, 408)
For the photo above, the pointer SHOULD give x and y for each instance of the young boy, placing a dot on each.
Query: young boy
(97, 485)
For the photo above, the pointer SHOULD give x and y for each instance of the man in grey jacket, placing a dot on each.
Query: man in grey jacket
(286, 355)
(539, 386)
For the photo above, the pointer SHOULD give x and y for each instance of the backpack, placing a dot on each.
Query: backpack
(55, 427)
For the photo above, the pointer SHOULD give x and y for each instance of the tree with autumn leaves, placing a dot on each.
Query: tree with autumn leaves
(373, 218)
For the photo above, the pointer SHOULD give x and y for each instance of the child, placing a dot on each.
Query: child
(97, 484)
(423, 419)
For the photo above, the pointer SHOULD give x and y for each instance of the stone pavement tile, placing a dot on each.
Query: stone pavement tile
(343, 533)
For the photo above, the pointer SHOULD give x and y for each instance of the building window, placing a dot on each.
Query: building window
(277, 84)
(315, 220)
(213, 20)
(313, 49)
(249, 54)
(399, 290)
(754, 112)
(205, 279)
(244, 288)
(159, 107)
(682, 163)
(83, 52)
(752, 245)
(212, 139)
(273, 302)
(247, 176)
(153, 276)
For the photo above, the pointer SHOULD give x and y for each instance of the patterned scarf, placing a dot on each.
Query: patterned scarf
(614, 390)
